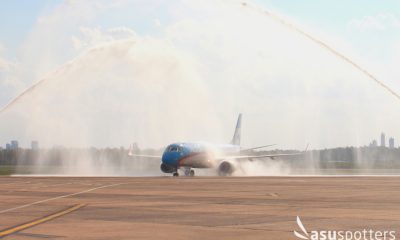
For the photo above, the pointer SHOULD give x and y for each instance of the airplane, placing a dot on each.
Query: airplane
(225, 158)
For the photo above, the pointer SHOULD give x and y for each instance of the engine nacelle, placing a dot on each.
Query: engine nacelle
(167, 168)
(226, 168)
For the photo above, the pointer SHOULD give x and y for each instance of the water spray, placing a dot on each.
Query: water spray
(72, 69)
(42, 81)
(261, 11)
(322, 44)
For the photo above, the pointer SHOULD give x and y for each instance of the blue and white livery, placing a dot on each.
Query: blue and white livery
(222, 157)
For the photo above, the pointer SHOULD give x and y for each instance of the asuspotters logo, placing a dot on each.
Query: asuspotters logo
(365, 234)
(301, 226)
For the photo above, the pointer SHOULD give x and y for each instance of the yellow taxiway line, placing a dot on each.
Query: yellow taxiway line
(21, 227)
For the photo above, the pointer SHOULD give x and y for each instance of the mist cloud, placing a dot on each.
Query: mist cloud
(187, 79)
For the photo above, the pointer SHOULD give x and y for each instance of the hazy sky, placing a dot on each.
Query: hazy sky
(372, 27)
(289, 90)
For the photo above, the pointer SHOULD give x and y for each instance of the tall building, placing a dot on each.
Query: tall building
(14, 144)
(383, 140)
(8, 146)
(35, 145)
(391, 142)
(374, 143)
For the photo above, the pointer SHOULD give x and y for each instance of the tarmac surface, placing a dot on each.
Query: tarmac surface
(194, 208)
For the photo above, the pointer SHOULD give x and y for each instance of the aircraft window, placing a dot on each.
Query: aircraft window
(174, 149)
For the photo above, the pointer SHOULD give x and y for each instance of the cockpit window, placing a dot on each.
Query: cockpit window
(174, 149)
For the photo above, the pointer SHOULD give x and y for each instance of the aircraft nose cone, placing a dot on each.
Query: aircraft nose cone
(170, 159)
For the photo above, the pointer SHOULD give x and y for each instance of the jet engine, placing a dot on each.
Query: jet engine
(226, 168)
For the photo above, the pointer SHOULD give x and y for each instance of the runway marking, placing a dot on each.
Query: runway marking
(39, 221)
(33, 235)
(63, 196)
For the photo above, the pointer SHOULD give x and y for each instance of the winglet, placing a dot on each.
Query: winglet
(308, 144)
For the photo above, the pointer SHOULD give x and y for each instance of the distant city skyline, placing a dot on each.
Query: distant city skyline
(34, 144)
(383, 142)
(14, 144)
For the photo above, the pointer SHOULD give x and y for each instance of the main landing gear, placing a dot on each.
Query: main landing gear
(188, 173)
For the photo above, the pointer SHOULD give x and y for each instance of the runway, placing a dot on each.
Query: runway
(194, 208)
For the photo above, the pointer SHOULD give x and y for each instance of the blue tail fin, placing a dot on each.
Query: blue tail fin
(236, 136)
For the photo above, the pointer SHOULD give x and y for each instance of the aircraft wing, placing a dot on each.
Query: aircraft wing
(254, 148)
(250, 157)
(270, 156)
